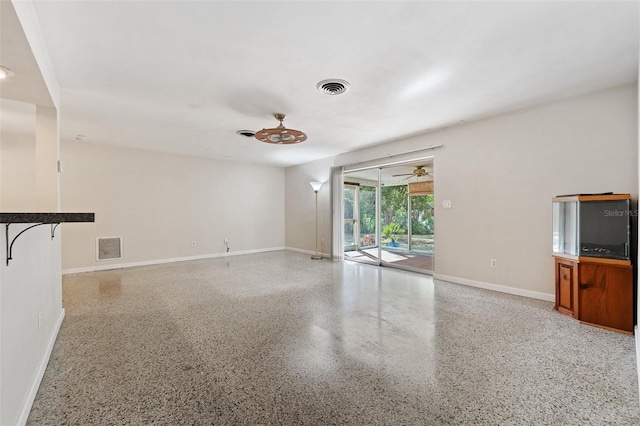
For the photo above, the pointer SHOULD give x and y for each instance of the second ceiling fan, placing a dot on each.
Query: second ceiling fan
(419, 171)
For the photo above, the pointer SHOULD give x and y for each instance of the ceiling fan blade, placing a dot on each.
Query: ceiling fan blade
(408, 178)
(404, 174)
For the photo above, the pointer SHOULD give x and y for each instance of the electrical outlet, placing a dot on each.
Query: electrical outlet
(39, 320)
(226, 242)
(193, 243)
(494, 263)
(446, 204)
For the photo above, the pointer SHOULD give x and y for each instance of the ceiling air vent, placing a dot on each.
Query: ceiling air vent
(109, 248)
(333, 86)
(246, 133)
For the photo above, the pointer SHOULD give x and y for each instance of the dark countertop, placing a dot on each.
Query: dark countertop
(46, 217)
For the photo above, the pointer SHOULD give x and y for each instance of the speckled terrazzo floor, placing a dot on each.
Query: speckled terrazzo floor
(277, 338)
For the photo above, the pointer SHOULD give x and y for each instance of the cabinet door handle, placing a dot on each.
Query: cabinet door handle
(584, 286)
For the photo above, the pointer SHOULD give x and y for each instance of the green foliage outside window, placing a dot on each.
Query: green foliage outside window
(394, 206)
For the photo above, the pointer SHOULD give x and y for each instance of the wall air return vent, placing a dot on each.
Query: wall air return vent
(108, 248)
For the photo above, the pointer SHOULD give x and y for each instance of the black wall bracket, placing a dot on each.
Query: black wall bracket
(10, 246)
(38, 219)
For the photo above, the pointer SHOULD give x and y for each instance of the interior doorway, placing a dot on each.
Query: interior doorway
(389, 215)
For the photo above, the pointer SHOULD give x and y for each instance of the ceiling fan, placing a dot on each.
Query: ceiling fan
(419, 171)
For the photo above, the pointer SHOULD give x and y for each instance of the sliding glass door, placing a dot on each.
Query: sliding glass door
(393, 202)
(389, 216)
(360, 217)
(350, 217)
(422, 224)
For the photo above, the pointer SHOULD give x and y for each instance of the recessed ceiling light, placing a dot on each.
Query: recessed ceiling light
(5, 72)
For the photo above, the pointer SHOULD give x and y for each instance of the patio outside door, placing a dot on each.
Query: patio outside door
(350, 217)
(360, 217)
(386, 222)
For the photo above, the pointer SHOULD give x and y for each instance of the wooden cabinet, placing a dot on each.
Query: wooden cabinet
(566, 287)
(596, 291)
(591, 247)
(606, 295)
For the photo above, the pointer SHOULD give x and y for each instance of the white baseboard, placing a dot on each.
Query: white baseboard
(161, 261)
(497, 287)
(35, 385)
(299, 250)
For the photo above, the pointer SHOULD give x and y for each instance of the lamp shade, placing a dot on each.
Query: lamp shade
(316, 185)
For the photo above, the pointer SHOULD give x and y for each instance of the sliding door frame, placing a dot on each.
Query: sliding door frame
(339, 230)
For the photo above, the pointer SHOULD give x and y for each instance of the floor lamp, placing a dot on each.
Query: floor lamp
(316, 187)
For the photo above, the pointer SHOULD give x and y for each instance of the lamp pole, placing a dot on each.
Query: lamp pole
(316, 187)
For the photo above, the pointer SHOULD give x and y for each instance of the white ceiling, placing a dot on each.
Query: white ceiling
(184, 76)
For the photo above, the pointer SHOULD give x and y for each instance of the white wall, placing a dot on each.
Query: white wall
(17, 172)
(500, 174)
(159, 203)
(300, 232)
(18, 188)
(31, 286)
(47, 155)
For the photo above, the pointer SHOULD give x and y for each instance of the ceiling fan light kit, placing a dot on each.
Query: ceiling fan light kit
(280, 135)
